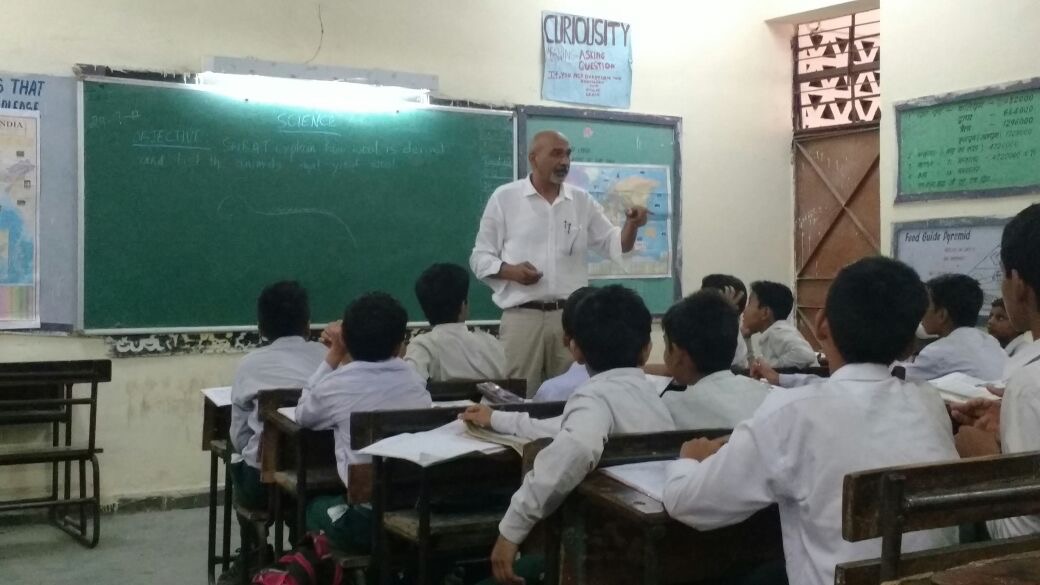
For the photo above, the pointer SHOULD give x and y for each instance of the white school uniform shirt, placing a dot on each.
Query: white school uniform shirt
(561, 387)
(1019, 343)
(740, 356)
(782, 346)
(617, 401)
(1024, 355)
(519, 225)
(450, 351)
(796, 450)
(717, 401)
(966, 350)
(286, 363)
(1020, 432)
(332, 395)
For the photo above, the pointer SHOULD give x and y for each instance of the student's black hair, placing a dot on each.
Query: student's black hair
(441, 290)
(612, 327)
(720, 281)
(961, 296)
(704, 325)
(997, 303)
(569, 307)
(282, 310)
(1018, 246)
(774, 295)
(874, 306)
(373, 327)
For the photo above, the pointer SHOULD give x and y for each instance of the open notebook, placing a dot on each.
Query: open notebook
(647, 477)
(957, 387)
(444, 443)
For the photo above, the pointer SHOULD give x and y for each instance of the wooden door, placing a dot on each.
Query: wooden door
(837, 216)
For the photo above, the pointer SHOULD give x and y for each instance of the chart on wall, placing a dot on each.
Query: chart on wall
(19, 202)
(960, 245)
(983, 143)
(619, 187)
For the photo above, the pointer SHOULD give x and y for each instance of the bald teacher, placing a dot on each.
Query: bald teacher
(531, 250)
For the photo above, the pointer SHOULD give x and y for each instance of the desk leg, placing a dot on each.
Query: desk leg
(211, 549)
(228, 506)
(380, 544)
(83, 496)
(279, 526)
(573, 549)
(424, 530)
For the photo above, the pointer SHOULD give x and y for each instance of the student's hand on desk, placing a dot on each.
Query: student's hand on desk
(502, 558)
(760, 370)
(636, 216)
(524, 273)
(477, 414)
(980, 413)
(700, 449)
(975, 442)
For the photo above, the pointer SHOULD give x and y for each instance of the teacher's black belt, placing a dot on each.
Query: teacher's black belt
(542, 306)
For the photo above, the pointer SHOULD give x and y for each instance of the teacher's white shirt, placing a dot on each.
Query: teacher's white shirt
(519, 225)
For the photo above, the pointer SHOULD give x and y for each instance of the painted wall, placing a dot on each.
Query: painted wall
(970, 44)
(723, 70)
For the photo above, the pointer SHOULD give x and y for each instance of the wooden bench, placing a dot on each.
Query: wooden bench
(35, 393)
(404, 495)
(606, 532)
(467, 389)
(888, 502)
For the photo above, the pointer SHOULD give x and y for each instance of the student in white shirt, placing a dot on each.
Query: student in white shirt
(733, 288)
(532, 248)
(561, 387)
(612, 336)
(1000, 327)
(700, 333)
(1016, 418)
(780, 344)
(284, 319)
(953, 309)
(450, 351)
(799, 445)
(360, 373)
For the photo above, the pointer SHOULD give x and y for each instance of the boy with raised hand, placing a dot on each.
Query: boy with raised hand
(1016, 418)
(612, 336)
(700, 333)
(799, 445)
(361, 372)
(450, 351)
(953, 309)
(287, 361)
(780, 344)
(733, 289)
(1000, 327)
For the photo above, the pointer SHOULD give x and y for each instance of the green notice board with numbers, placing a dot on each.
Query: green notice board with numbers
(983, 143)
(625, 158)
(194, 201)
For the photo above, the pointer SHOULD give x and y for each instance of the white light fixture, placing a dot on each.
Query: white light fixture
(325, 88)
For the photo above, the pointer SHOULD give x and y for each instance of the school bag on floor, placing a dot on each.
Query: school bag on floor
(310, 563)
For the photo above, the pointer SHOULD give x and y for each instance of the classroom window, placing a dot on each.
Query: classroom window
(837, 71)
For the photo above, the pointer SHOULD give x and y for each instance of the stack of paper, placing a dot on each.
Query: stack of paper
(220, 397)
(957, 387)
(288, 412)
(512, 441)
(647, 478)
(453, 403)
(450, 441)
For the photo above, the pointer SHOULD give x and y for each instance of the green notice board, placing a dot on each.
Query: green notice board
(194, 201)
(979, 144)
(625, 144)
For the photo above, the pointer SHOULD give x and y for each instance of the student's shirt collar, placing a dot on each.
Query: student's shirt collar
(529, 190)
(618, 373)
(862, 372)
(714, 377)
(288, 340)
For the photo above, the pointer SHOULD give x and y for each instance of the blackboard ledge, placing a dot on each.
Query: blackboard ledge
(976, 194)
(113, 332)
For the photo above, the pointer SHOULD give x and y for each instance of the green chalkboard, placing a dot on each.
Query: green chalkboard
(193, 201)
(625, 144)
(984, 143)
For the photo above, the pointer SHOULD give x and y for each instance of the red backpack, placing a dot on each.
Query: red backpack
(310, 563)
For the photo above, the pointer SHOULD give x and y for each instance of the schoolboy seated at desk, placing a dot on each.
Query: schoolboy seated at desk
(450, 351)
(780, 344)
(954, 304)
(284, 319)
(361, 372)
(799, 445)
(1003, 330)
(700, 333)
(612, 336)
(561, 387)
(732, 288)
(1016, 418)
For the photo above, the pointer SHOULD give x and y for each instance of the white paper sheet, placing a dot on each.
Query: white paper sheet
(220, 397)
(647, 477)
(435, 446)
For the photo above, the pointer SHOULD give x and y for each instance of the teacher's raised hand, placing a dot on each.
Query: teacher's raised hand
(636, 216)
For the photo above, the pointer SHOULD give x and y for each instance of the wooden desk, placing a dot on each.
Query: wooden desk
(611, 533)
(216, 427)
